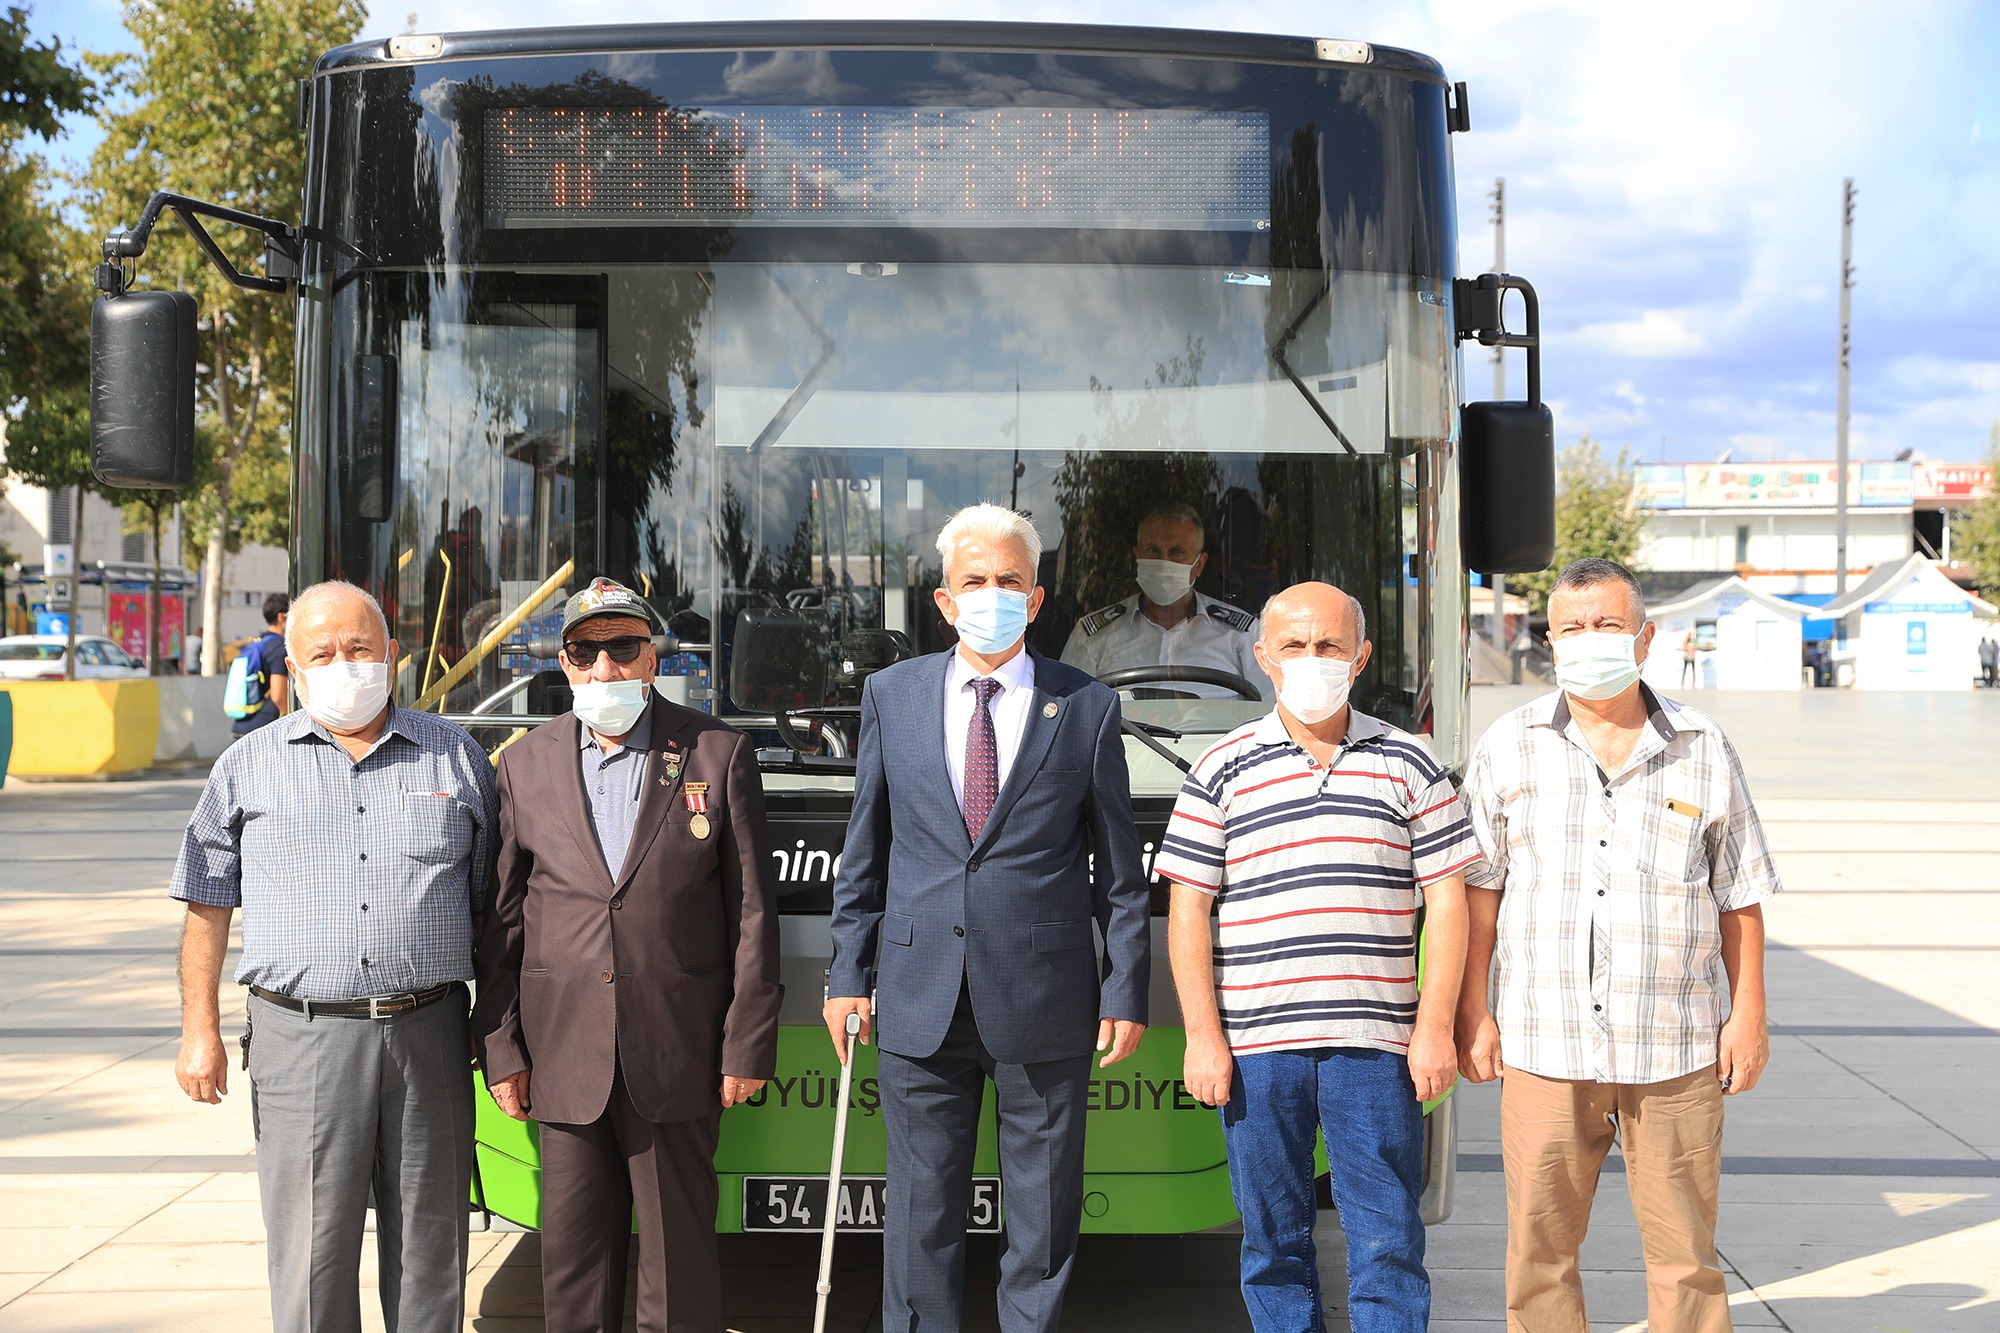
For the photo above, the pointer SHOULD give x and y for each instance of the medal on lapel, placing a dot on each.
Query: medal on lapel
(696, 796)
(671, 765)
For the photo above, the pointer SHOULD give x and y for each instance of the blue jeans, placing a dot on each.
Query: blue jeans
(1364, 1100)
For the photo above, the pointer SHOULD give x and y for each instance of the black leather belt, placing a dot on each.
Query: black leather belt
(381, 1006)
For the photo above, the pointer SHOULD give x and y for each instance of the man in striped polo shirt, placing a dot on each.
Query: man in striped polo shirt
(1314, 833)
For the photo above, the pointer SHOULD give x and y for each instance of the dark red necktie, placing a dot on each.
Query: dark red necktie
(982, 759)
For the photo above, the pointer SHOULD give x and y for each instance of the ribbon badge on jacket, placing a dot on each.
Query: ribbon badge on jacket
(696, 796)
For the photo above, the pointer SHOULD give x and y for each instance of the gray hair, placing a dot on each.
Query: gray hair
(993, 523)
(333, 589)
(1175, 512)
(1594, 571)
(1353, 605)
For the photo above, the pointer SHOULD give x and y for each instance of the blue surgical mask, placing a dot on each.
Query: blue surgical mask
(991, 620)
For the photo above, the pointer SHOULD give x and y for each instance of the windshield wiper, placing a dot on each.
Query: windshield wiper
(1144, 733)
(1278, 358)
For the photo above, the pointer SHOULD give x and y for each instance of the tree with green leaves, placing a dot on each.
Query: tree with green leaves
(208, 106)
(1596, 515)
(44, 294)
(1975, 532)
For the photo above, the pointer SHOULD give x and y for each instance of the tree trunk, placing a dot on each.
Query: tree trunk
(153, 615)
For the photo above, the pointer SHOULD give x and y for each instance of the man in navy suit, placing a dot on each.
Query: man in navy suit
(987, 780)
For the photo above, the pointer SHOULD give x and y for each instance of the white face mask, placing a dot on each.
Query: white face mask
(1596, 666)
(1313, 689)
(610, 707)
(1165, 581)
(346, 696)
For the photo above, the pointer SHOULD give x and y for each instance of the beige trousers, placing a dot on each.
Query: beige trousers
(1554, 1134)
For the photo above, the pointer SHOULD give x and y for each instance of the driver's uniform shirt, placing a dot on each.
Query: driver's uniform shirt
(1215, 635)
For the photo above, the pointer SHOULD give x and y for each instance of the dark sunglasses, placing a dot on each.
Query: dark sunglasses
(582, 653)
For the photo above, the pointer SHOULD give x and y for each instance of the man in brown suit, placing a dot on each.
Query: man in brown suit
(628, 971)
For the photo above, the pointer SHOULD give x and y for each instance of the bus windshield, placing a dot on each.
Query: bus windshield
(736, 379)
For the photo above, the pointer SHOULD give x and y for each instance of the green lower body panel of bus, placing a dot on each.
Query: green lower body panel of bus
(1153, 1156)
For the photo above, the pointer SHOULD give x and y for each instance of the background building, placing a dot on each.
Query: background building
(116, 568)
(1773, 524)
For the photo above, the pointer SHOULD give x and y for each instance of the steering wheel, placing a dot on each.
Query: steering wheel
(1146, 675)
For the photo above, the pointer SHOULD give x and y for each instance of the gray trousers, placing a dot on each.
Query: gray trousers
(930, 1110)
(341, 1105)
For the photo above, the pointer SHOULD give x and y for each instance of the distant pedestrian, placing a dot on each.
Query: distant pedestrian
(191, 653)
(257, 678)
(1989, 660)
(1314, 833)
(358, 838)
(1690, 664)
(1624, 871)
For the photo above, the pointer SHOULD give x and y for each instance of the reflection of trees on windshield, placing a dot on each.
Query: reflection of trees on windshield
(1145, 453)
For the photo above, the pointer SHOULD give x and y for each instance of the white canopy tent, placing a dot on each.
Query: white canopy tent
(1743, 639)
(1909, 627)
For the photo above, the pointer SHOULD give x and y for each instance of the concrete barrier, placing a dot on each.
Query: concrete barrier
(193, 726)
(77, 728)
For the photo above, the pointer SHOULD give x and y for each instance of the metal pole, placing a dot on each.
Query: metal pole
(1499, 216)
(1497, 630)
(1840, 419)
(75, 585)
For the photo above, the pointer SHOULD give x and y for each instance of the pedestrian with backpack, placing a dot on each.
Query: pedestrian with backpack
(258, 691)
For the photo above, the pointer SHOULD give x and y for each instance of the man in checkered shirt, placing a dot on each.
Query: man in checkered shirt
(359, 840)
(1314, 834)
(1623, 875)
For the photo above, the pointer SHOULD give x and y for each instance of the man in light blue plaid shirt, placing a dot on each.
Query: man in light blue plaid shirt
(359, 840)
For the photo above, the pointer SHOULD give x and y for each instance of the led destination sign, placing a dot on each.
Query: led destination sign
(877, 166)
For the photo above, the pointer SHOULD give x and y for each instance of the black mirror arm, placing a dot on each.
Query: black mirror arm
(282, 250)
(1478, 304)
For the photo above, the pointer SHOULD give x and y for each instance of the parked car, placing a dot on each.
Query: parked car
(40, 657)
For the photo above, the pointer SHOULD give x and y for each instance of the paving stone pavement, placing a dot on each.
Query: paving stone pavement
(1862, 1189)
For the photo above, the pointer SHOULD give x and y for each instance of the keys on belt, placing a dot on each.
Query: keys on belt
(379, 1006)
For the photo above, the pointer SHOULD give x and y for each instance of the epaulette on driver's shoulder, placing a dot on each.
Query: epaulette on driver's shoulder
(1095, 622)
(1231, 616)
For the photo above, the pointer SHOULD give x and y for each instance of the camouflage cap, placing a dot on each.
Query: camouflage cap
(607, 597)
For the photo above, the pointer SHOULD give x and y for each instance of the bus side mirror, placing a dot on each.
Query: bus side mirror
(1507, 487)
(1507, 450)
(142, 358)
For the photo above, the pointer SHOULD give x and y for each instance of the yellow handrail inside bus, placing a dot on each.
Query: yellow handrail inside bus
(496, 636)
(437, 625)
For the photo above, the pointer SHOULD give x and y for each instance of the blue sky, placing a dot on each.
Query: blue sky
(1673, 180)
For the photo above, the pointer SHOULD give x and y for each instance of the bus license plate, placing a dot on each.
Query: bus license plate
(798, 1203)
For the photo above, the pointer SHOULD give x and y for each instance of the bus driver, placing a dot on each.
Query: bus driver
(1168, 623)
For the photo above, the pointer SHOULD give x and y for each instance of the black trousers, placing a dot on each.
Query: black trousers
(594, 1177)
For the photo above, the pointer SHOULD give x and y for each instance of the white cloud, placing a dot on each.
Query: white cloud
(1656, 333)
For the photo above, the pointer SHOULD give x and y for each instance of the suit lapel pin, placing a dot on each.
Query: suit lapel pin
(1049, 710)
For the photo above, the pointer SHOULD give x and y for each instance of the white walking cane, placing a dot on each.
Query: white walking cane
(825, 1285)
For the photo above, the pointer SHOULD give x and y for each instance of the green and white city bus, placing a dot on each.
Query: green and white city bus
(738, 314)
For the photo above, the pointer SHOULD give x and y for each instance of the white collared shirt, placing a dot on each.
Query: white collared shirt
(1608, 964)
(1010, 713)
(1212, 634)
